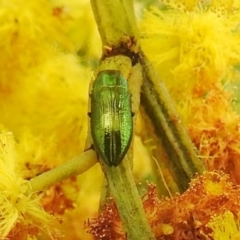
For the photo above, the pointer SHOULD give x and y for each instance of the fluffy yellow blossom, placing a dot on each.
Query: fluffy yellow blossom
(191, 48)
(44, 98)
(224, 227)
(189, 5)
(42, 85)
(214, 128)
(20, 209)
(73, 15)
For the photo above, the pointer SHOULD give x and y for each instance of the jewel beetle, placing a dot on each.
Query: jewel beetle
(111, 116)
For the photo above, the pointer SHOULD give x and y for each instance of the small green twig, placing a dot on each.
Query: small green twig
(73, 167)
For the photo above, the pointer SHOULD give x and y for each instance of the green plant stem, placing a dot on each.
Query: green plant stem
(182, 162)
(115, 20)
(117, 27)
(129, 204)
(120, 179)
(71, 168)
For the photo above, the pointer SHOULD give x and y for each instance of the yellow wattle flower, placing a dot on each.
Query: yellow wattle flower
(73, 16)
(44, 92)
(19, 207)
(225, 226)
(42, 82)
(190, 48)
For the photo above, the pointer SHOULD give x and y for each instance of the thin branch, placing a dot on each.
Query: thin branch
(73, 167)
(118, 30)
(182, 161)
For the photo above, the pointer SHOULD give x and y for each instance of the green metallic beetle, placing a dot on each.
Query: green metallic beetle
(111, 116)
